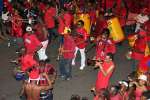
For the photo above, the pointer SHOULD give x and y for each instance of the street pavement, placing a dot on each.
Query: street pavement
(80, 83)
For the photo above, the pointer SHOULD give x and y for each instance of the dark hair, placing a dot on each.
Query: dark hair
(111, 56)
(106, 32)
(81, 22)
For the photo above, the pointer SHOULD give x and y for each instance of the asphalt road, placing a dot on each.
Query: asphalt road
(80, 84)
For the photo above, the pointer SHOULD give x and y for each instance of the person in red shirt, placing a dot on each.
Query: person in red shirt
(68, 18)
(66, 51)
(81, 42)
(138, 50)
(42, 36)
(26, 60)
(104, 45)
(49, 20)
(31, 42)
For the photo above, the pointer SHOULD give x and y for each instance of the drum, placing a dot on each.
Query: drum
(86, 19)
(131, 39)
(116, 31)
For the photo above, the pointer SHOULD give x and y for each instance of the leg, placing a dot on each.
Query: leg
(73, 60)
(62, 69)
(68, 68)
(82, 52)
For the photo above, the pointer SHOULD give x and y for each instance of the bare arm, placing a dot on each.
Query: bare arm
(105, 72)
(49, 86)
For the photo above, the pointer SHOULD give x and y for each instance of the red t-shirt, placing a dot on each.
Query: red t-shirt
(69, 45)
(92, 14)
(39, 33)
(49, 17)
(100, 25)
(68, 18)
(102, 48)
(81, 38)
(42, 7)
(143, 64)
(27, 61)
(31, 42)
(139, 45)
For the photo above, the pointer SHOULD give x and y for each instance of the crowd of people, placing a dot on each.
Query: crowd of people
(32, 25)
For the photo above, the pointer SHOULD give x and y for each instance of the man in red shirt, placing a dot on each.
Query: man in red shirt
(50, 21)
(81, 42)
(31, 42)
(67, 50)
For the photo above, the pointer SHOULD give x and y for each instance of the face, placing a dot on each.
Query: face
(107, 59)
(142, 82)
(104, 37)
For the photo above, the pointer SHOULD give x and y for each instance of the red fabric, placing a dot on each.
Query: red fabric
(81, 38)
(16, 26)
(109, 3)
(102, 48)
(8, 6)
(27, 61)
(49, 69)
(103, 81)
(100, 25)
(140, 45)
(34, 74)
(39, 33)
(92, 14)
(69, 45)
(42, 7)
(116, 97)
(61, 25)
(143, 64)
(27, 4)
(138, 93)
(49, 17)
(31, 43)
(68, 18)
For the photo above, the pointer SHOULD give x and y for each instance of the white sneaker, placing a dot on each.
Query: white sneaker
(82, 67)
